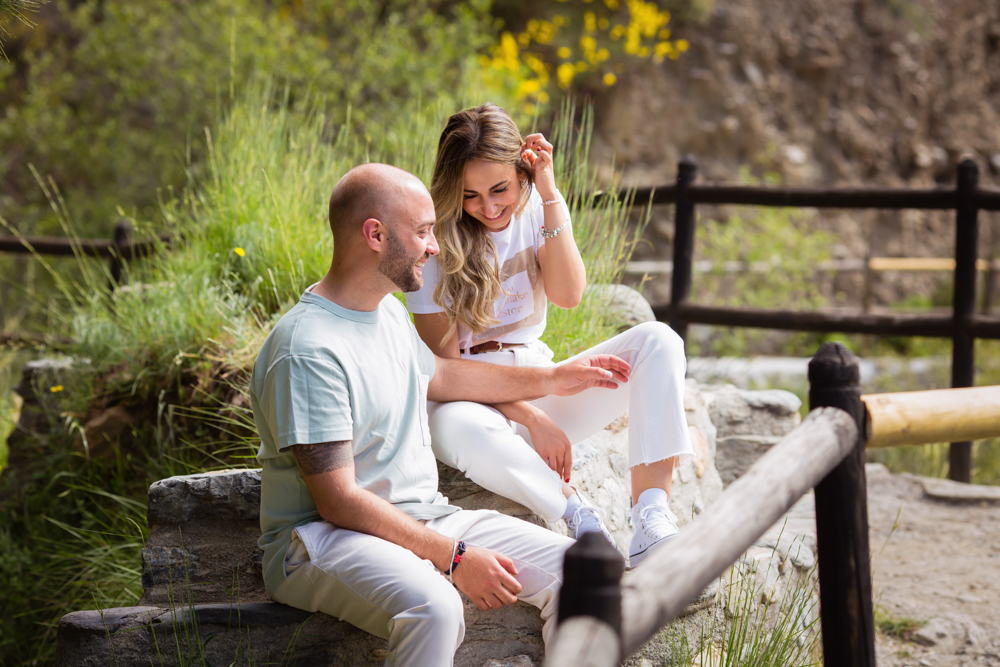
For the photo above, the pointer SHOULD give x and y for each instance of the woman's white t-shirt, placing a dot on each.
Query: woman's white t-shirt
(521, 308)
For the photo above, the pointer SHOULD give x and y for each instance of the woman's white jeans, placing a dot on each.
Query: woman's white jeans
(498, 455)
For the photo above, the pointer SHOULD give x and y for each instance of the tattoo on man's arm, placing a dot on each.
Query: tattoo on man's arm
(323, 457)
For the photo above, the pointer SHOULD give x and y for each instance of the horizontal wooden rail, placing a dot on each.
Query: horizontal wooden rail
(879, 264)
(654, 595)
(927, 417)
(885, 198)
(62, 247)
(935, 326)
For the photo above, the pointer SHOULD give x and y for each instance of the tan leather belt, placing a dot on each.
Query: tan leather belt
(490, 346)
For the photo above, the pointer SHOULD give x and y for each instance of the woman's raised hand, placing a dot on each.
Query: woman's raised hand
(538, 153)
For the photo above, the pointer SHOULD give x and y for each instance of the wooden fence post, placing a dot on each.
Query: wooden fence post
(845, 582)
(963, 351)
(680, 278)
(121, 239)
(592, 576)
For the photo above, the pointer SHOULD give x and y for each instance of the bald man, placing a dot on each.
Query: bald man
(353, 523)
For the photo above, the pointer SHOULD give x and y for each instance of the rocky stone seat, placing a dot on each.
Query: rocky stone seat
(201, 567)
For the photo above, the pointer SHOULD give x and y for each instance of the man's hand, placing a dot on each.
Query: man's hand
(598, 370)
(551, 444)
(487, 578)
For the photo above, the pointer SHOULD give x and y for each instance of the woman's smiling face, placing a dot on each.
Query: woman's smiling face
(491, 191)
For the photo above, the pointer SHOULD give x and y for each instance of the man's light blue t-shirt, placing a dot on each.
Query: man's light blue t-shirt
(328, 374)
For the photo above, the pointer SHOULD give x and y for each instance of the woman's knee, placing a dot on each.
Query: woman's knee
(661, 337)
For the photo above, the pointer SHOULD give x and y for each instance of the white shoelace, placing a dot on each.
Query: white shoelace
(586, 517)
(658, 521)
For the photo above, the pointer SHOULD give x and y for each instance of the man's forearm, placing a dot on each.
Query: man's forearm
(364, 512)
(464, 380)
(328, 470)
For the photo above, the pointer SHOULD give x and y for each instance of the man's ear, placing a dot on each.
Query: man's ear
(375, 234)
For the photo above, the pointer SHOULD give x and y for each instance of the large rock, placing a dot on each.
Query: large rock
(749, 423)
(202, 544)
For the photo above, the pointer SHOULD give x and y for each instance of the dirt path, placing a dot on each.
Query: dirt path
(940, 565)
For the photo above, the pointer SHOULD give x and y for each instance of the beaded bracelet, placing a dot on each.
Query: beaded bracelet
(456, 558)
(546, 234)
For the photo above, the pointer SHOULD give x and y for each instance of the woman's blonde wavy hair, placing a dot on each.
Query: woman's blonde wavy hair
(470, 273)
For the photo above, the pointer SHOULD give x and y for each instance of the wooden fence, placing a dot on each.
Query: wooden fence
(601, 620)
(963, 325)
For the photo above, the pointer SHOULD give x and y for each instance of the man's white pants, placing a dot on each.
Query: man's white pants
(388, 591)
(498, 455)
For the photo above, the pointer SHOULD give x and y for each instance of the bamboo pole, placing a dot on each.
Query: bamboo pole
(926, 417)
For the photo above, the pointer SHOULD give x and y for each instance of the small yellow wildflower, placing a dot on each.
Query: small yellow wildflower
(56, 389)
(524, 39)
(611, 4)
(610, 79)
(664, 34)
(558, 20)
(564, 52)
(682, 45)
(239, 251)
(589, 22)
(581, 66)
(603, 23)
(603, 54)
(565, 73)
(543, 97)
(617, 32)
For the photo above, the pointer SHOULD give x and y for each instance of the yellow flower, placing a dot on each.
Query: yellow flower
(56, 389)
(558, 20)
(617, 32)
(564, 52)
(589, 22)
(543, 97)
(565, 73)
(524, 39)
(610, 79)
(682, 45)
(239, 251)
(611, 4)
(664, 34)
(603, 23)
(603, 54)
(581, 66)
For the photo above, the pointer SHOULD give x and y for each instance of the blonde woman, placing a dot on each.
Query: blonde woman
(507, 249)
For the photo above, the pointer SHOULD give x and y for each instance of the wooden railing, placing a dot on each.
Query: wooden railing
(601, 621)
(119, 250)
(963, 325)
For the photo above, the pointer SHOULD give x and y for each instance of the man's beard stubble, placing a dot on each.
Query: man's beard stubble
(398, 267)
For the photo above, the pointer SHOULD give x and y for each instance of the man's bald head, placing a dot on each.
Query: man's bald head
(378, 191)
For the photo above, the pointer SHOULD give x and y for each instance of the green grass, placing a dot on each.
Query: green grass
(752, 627)
(898, 627)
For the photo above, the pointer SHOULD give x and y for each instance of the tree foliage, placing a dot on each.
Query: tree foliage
(111, 98)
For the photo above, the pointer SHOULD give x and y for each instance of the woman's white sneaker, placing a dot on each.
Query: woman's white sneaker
(652, 523)
(585, 518)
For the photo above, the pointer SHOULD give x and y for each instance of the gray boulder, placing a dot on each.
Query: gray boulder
(625, 306)
(749, 423)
